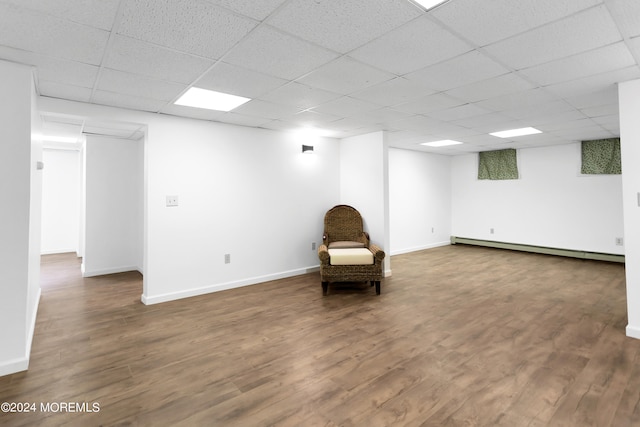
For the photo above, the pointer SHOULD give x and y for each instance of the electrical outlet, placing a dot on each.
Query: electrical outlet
(619, 241)
(227, 258)
(491, 230)
(432, 229)
(313, 246)
(172, 201)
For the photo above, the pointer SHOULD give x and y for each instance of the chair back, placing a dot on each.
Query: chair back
(343, 223)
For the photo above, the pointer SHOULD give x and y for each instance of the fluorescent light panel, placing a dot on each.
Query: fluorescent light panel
(429, 4)
(210, 100)
(515, 132)
(443, 143)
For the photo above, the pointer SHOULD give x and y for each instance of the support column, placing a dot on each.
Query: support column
(629, 100)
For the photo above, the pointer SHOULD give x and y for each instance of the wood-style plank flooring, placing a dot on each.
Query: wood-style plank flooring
(460, 336)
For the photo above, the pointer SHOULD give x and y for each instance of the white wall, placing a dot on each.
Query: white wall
(550, 205)
(60, 201)
(629, 98)
(246, 192)
(113, 202)
(364, 184)
(20, 186)
(242, 191)
(419, 200)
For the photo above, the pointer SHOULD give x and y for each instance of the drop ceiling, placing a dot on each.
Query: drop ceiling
(459, 71)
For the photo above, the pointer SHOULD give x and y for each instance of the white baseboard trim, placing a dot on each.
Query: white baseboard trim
(32, 327)
(13, 366)
(171, 296)
(420, 248)
(104, 271)
(22, 363)
(59, 251)
(633, 332)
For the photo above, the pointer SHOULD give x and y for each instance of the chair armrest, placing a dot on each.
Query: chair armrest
(323, 254)
(378, 253)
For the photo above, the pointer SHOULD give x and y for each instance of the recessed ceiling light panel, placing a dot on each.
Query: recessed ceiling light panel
(443, 143)
(210, 100)
(515, 132)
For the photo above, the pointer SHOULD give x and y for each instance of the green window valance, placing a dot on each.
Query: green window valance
(601, 157)
(499, 164)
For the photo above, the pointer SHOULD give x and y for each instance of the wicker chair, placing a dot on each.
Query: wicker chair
(342, 224)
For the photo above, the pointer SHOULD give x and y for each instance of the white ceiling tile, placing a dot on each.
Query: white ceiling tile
(408, 138)
(299, 95)
(255, 9)
(565, 125)
(265, 109)
(273, 52)
(393, 92)
(634, 46)
(605, 96)
(626, 13)
(416, 123)
(311, 119)
(188, 26)
(601, 110)
(140, 86)
(485, 122)
(94, 13)
(545, 119)
(426, 104)
(608, 121)
(64, 91)
(583, 65)
(460, 112)
(244, 120)
(55, 37)
(345, 107)
(345, 76)
(410, 47)
(504, 18)
(587, 30)
(191, 112)
(468, 68)
(54, 69)
(517, 100)
(138, 57)
(490, 88)
(585, 134)
(382, 116)
(342, 25)
(126, 101)
(546, 112)
(594, 83)
(349, 124)
(239, 81)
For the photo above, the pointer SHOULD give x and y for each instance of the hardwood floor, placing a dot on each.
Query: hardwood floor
(460, 336)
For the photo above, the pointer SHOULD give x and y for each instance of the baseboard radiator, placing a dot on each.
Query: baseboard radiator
(539, 249)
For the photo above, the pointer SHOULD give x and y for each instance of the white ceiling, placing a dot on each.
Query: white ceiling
(460, 71)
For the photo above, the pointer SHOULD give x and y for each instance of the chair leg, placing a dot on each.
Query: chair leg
(372, 283)
(377, 287)
(325, 287)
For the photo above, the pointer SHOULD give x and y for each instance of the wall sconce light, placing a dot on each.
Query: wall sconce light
(307, 149)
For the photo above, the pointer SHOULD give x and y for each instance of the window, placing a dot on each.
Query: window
(499, 164)
(601, 157)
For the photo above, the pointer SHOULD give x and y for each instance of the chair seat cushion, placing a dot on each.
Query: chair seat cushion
(350, 256)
